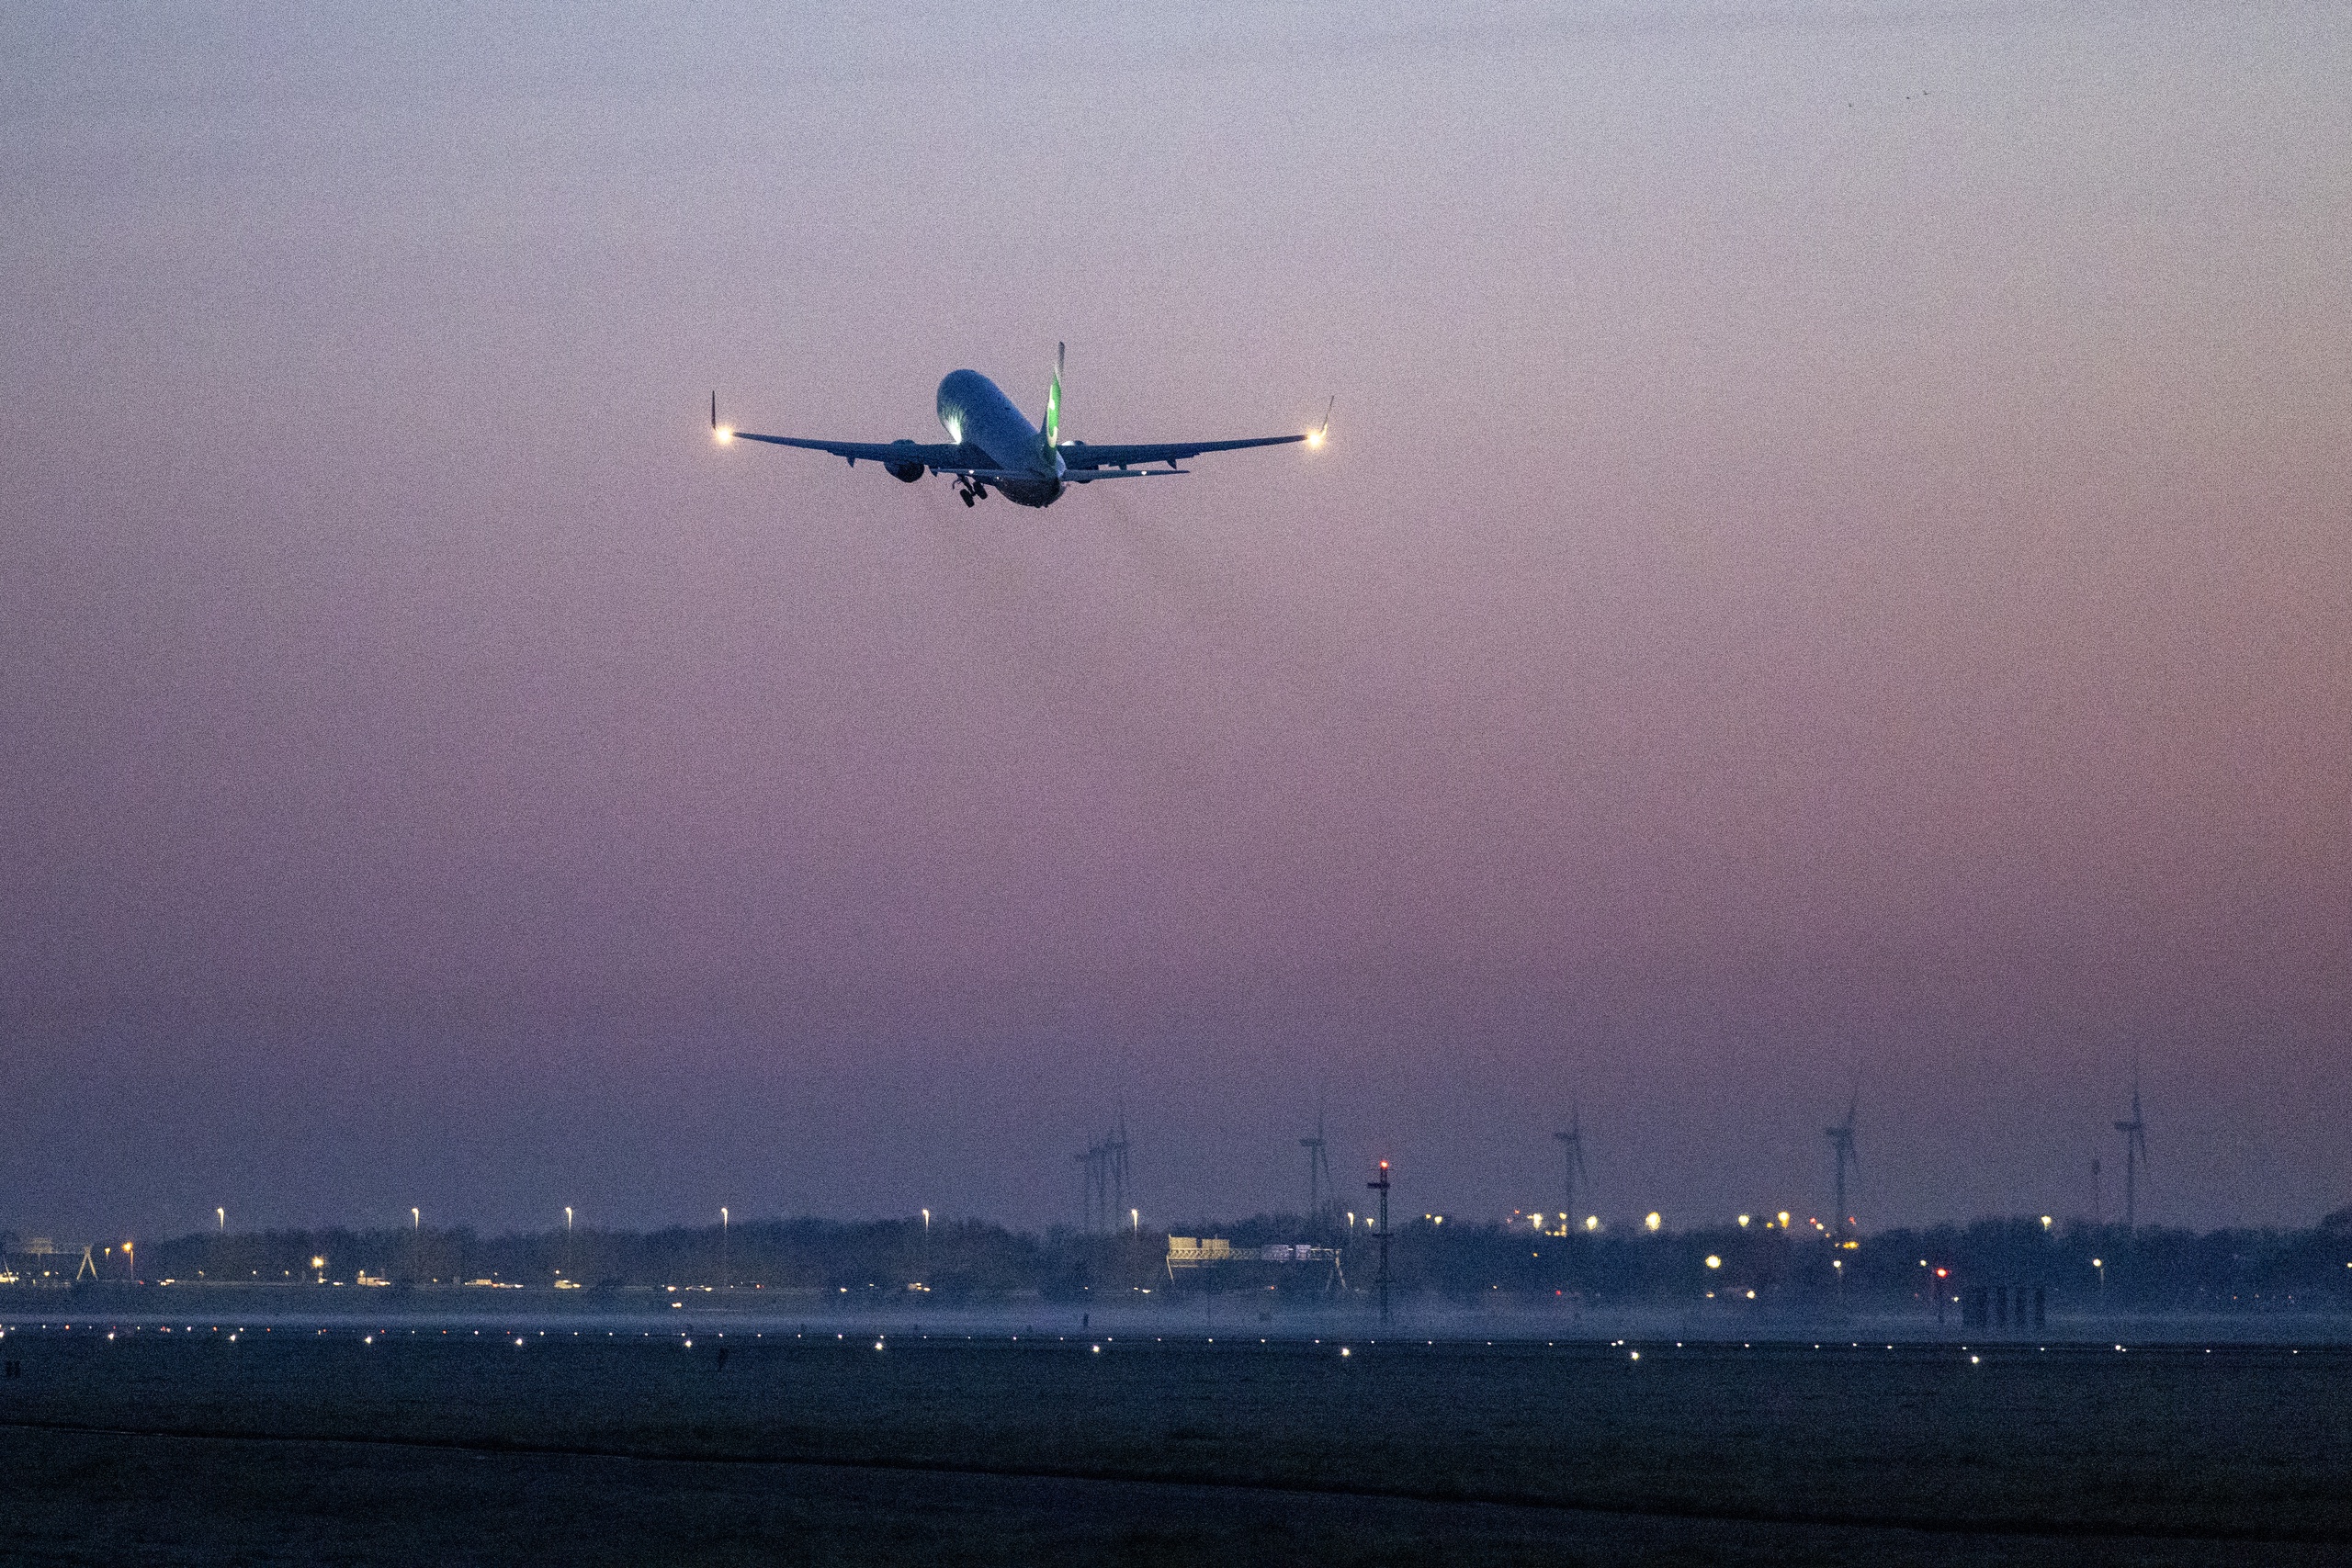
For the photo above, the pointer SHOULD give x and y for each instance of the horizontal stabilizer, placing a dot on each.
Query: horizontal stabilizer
(1088, 476)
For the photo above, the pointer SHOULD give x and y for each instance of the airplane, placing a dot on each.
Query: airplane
(991, 447)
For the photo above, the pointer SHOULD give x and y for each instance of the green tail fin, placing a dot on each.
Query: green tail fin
(1054, 402)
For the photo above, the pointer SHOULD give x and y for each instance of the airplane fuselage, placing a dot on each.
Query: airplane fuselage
(977, 413)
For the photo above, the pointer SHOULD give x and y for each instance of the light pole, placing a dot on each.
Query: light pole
(567, 1241)
(1381, 1187)
(222, 1215)
(722, 1247)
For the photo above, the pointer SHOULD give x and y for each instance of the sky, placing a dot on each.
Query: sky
(1830, 578)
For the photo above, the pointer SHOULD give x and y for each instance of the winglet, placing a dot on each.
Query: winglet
(722, 434)
(1316, 437)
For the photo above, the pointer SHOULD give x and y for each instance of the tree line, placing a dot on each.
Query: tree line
(2146, 1269)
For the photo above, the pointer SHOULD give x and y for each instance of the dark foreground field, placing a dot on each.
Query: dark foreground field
(291, 1446)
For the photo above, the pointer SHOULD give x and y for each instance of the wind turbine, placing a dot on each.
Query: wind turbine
(1842, 1147)
(1572, 1156)
(2135, 1154)
(1318, 1170)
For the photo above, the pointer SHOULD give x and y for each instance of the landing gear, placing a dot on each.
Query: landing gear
(969, 492)
(966, 495)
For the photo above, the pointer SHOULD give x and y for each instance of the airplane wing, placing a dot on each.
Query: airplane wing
(930, 455)
(1079, 456)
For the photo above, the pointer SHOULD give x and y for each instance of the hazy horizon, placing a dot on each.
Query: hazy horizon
(1832, 567)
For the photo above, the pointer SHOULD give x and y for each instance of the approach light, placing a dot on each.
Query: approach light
(1592, 1221)
(1652, 1220)
(1713, 1261)
(1783, 1218)
(1743, 1222)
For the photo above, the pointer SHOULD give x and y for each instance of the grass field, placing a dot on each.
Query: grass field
(298, 1446)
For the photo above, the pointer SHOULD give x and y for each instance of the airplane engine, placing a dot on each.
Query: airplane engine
(909, 472)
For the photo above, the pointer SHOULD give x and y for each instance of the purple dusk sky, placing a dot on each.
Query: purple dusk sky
(1834, 559)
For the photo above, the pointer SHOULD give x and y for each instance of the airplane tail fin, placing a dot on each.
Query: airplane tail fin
(1054, 402)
